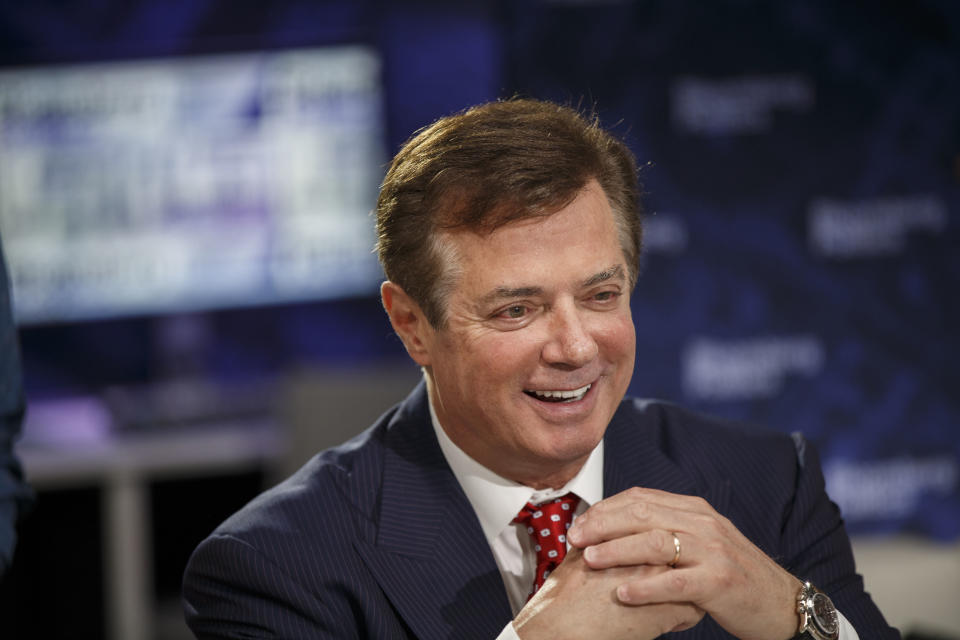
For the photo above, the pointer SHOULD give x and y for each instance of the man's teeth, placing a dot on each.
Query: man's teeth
(562, 396)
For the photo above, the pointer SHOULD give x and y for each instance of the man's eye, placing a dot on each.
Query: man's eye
(516, 311)
(605, 296)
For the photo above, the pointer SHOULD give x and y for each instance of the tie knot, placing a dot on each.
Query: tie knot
(557, 510)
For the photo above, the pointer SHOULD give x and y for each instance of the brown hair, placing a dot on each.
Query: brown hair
(487, 166)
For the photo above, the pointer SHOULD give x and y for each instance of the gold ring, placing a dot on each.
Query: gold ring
(676, 550)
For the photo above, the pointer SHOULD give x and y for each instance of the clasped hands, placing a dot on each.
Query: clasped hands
(617, 580)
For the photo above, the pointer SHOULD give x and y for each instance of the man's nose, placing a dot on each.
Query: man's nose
(570, 342)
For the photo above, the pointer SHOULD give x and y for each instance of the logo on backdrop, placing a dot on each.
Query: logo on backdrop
(871, 228)
(664, 233)
(747, 368)
(880, 489)
(738, 105)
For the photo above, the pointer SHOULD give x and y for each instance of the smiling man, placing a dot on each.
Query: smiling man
(536, 347)
(516, 492)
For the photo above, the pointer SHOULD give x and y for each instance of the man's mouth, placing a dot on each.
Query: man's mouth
(559, 396)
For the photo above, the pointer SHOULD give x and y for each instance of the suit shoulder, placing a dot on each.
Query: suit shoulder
(677, 421)
(335, 490)
(710, 445)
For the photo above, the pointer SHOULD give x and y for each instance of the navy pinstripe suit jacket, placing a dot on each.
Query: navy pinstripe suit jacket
(362, 542)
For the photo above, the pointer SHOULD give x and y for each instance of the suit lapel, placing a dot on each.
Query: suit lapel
(430, 555)
(637, 453)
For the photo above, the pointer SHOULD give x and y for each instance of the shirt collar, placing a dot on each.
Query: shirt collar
(497, 500)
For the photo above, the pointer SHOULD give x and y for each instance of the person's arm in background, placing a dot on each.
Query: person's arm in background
(15, 495)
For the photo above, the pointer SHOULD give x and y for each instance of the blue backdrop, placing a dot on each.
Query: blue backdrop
(803, 190)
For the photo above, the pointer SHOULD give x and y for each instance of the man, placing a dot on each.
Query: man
(509, 235)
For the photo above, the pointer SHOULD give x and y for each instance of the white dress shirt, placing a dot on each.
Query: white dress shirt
(497, 501)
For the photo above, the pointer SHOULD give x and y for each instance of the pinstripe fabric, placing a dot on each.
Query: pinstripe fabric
(362, 542)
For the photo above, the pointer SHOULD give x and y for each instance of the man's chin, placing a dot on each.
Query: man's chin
(558, 459)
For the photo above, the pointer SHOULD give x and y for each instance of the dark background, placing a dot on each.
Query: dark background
(801, 268)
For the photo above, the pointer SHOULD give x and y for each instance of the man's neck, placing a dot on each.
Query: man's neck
(497, 499)
(546, 475)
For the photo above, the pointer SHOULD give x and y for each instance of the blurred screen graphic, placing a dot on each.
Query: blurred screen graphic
(194, 183)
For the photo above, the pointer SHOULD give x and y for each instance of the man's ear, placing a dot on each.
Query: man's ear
(408, 321)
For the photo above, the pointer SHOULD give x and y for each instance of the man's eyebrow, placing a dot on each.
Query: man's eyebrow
(614, 272)
(502, 293)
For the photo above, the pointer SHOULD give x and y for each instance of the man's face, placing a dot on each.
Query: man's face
(538, 347)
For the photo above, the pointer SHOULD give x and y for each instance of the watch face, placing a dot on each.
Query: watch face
(824, 615)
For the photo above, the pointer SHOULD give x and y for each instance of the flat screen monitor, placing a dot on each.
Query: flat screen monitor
(190, 184)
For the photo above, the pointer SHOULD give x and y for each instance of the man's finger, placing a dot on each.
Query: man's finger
(638, 516)
(680, 585)
(679, 501)
(633, 511)
(656, 547)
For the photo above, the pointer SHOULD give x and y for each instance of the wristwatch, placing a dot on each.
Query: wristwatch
(818, 616)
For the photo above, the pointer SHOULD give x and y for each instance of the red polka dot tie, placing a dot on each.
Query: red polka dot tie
(547, 525)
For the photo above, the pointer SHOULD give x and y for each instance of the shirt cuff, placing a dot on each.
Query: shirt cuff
(847, 632)
(509, 633)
